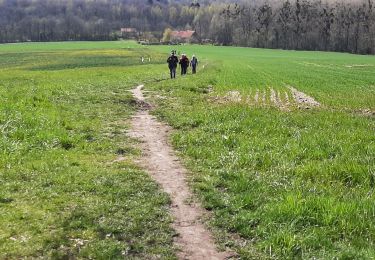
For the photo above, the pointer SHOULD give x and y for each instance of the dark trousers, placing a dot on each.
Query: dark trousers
(194, 69)
(173, 72)
(183, 70)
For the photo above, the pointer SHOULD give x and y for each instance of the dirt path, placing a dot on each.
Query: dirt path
(194, 240)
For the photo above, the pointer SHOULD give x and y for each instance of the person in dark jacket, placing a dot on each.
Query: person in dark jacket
(172, 64)
(194, 64)
(184, 63)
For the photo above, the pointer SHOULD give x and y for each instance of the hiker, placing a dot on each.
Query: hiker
(172, 64)
(194, 64)
(184, 63)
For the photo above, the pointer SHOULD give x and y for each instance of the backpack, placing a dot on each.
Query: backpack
(194, 61)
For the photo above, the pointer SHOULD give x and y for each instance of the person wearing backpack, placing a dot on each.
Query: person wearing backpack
(184, 63)
(172, 64)
(194, 64)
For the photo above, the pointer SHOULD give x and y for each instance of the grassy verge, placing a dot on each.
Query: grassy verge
(296, 184)
(68, 186)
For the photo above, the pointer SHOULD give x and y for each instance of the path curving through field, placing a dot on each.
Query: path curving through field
(159, 159)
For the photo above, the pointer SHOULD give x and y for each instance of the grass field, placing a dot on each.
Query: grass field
(292, 183)
(282, 181)
(68, 186)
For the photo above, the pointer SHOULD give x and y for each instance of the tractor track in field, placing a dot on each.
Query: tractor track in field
(284, 99)
(303, 99)
(159, 160)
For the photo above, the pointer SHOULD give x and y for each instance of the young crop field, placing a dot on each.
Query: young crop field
(284, 176)
(280, 147)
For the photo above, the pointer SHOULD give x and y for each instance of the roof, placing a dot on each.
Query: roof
(183, 34)
(128, 30)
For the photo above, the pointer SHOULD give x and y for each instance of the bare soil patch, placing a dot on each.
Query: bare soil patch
(303, 99)
(230, 97)
(277, 101)
(256, 97)
(273, 97)
(159, 159)
(233, 96)
(287, 103)
(264, 97)
(358, 66)
(366, 112)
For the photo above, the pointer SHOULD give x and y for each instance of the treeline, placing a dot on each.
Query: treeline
(301, 25)
(294, 24)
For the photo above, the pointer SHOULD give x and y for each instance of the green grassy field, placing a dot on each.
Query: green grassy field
(68, 184)
(281, 181)
(292, 183)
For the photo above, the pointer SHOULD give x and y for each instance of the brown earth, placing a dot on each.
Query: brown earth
(159, 159)
(303, 99)
(281, 100)
(286, 99)
(274, 98)
(264, 97)
(256, 97)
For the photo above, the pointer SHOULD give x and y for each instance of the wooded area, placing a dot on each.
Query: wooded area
(297, 24)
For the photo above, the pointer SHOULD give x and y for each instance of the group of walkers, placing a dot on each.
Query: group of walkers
(184, 62)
